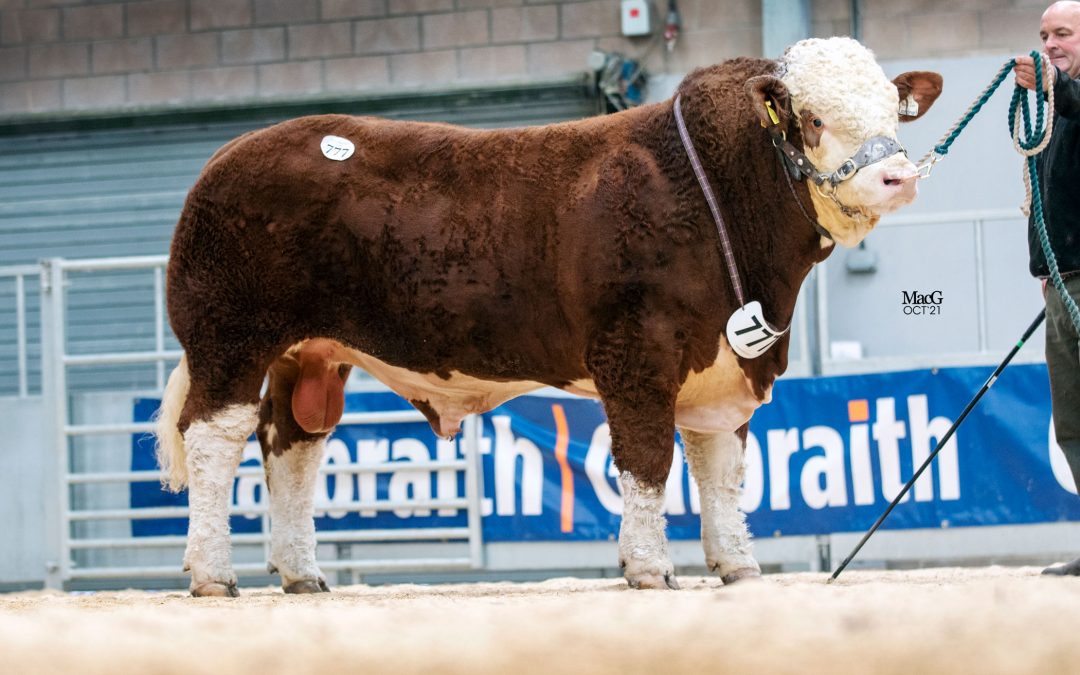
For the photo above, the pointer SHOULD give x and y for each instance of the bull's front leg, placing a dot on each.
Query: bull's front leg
(637, 383)
(716, 463)
(643, 549)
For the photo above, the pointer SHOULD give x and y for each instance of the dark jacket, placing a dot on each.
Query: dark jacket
(1059, 180)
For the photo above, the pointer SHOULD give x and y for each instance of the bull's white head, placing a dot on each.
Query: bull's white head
(841, 99)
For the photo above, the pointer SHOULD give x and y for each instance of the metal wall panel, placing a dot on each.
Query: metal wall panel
(110, 188)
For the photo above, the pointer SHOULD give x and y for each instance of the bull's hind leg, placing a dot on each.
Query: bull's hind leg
(636, 379)
(716, 462)
(215, 422)
(292, 457)
(291, 472)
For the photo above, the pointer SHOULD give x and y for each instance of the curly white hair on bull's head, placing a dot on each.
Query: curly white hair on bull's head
(843, 101)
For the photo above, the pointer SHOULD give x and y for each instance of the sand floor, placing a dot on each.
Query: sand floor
(949, 620)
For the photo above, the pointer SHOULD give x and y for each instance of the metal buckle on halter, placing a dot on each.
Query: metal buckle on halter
(844, 171)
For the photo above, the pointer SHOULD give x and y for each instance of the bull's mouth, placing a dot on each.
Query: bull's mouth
(851, 211)
(888, 207)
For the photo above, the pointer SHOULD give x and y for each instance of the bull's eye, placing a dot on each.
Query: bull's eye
(818, 123)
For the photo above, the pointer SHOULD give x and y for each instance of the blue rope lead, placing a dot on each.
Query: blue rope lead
(1019, 99)
(942, 148)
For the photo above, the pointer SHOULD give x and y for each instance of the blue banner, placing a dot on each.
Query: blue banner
(827, 455)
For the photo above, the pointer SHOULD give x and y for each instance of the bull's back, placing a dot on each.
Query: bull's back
(431, 243)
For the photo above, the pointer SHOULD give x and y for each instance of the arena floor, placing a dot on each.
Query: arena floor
(949, 620)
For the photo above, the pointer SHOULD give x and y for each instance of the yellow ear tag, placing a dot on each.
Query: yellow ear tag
(772, 113)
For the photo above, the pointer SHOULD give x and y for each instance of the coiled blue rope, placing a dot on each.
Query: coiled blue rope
(1028, 139)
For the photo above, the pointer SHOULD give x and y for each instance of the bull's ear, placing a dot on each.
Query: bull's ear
(765, 92)
(918, 90)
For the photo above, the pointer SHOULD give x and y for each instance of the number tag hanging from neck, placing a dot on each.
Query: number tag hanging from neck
(749, 334)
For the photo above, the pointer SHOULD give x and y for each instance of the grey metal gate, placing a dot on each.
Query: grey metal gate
(68, 531)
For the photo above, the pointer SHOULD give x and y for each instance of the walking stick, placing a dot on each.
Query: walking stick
(944, 439)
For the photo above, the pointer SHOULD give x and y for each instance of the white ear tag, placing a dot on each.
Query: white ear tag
(909, 107)
(748, 333)
(337, 148)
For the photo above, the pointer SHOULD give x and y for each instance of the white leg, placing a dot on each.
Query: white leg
(291, 478)
(716, 462)
(214, 449)
(643, 550)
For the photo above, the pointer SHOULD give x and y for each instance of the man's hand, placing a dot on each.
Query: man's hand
(1025, 73)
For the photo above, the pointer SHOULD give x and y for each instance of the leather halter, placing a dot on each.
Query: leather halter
(872, 150)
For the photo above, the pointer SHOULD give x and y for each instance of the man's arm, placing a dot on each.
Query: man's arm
(1067, 96)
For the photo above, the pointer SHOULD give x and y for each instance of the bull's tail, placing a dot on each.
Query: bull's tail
(171, 456)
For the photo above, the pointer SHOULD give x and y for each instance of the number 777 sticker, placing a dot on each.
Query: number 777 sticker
(749, 334)
(337, 148)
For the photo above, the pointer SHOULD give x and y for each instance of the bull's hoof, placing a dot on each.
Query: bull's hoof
(1071, 569)
(305, 586)
(744, 574)
(640, 574)
(213, 589)
(661, 582)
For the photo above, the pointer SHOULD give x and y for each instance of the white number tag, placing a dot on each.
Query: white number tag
(909, 107)
(749, 334)
(337, 148)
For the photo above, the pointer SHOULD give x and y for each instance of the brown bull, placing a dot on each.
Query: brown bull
(465, 267)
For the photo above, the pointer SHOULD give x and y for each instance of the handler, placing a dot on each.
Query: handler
(1059, 174)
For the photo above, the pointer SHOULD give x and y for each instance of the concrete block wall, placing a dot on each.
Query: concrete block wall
(908, 29)
(72, 56)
